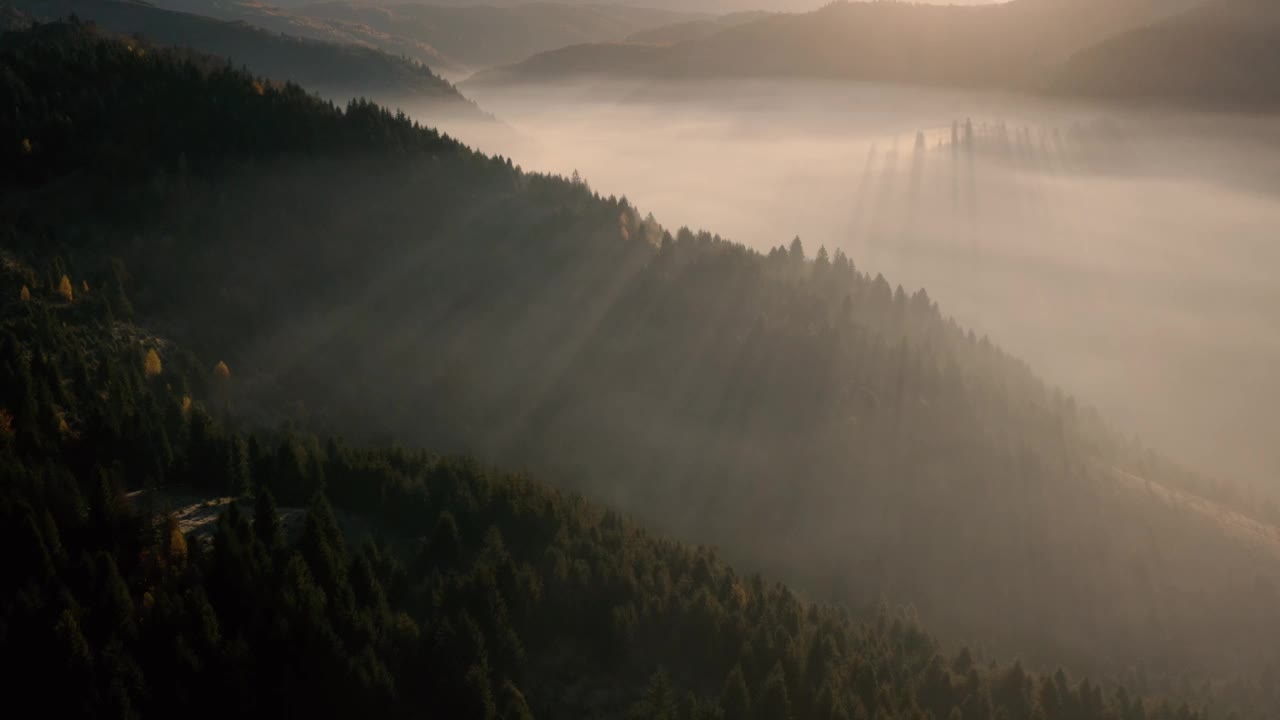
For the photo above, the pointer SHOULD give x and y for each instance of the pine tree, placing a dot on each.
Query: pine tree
(822, 260)
(513, 704)
(477, 697)
(322, 546)
(735, 701)
(773, 702)
(444, 550)
(796, 251)
(659, 701)
(266, 521)
(239, 480)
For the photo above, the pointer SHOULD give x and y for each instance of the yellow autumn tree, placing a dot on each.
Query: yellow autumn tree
(151, 364)
(171, 550)
(25, 294)
(177, 548)
(221, 385)
(65, 290)
(25, 146)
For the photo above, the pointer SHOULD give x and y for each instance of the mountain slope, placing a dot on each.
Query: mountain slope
(693, 29)
(369, 278)
(283, 21)
(993, 45)
(1224, 55)
(485, 595)
(336, 71)
(452, 39)
(481, 36)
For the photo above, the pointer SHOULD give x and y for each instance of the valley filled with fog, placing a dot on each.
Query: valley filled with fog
(1127, 255)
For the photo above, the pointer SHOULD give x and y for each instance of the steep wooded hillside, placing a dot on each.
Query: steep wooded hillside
(483, 595)
(369, 278)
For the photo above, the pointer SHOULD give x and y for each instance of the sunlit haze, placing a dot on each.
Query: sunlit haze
(1126, 255)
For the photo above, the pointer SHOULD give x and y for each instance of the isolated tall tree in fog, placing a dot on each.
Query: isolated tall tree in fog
(796, 251)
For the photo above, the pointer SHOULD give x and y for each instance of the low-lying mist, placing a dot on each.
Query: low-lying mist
(1128, 255)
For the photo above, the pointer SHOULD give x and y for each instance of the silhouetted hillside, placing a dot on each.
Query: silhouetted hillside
(365, 277)
(451, 37)
(1224, 55)
(338, 71)
(480, 594)
(282, 20)
(484, 595)
(485, 35)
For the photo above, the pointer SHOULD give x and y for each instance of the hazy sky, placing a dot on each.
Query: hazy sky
(718, 6)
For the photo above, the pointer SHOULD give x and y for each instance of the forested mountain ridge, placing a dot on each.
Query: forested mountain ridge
(275, 19)
(486, 596)
(1221, 55)
(693, 29)
(363, 275)
(455, 38)
(485, 35)
(336, 71)
(1000, 45)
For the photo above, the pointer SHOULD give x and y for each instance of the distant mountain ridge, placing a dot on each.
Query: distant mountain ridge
(281, 20)
(336, 71)
(1224, 54)
(452, 39)
(482, 35)
(693, 29)
(1009, 44)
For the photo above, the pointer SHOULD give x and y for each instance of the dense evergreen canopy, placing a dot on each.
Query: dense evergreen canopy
(191, 253)
(412, 585)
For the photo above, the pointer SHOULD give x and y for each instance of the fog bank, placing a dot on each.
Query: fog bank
(1129, 256)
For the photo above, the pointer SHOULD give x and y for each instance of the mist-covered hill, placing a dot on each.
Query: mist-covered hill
(481, 594)
(281, 20)
(1223, 55)
(365, 277)
(455, 39)
(1010, 44)
(483, 35)
(336, 71)
(693, 29)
